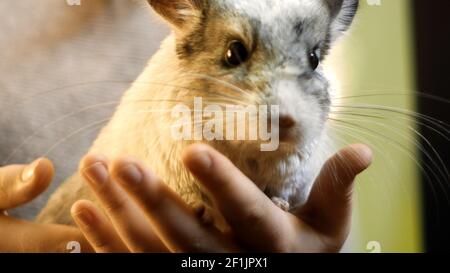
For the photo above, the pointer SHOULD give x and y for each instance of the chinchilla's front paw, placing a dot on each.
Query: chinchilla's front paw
(203, 212)
(281, 203)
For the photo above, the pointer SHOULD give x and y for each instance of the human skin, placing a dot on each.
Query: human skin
(19, 184)
(144, 215)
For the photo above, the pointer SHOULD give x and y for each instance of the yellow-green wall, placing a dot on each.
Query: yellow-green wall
(378, 57)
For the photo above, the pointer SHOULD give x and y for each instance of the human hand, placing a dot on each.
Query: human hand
(20, 184)
(144, 215)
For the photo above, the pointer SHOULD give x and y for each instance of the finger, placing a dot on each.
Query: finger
(27, 237)
(329, 205)
(245, 207)
(97, 228)
(130, 223)
(174, 222)
(20, 184)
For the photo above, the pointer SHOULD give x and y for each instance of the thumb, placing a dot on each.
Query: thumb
(20, 184)
(328, 208)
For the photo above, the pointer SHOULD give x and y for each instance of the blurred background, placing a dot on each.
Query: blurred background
(63, 69)
(392, 72)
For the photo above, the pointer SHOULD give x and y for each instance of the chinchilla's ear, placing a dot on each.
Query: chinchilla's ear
(178, 12)
(342, 12)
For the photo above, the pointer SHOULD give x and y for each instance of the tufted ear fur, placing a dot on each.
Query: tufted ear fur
(178, 12)
(342, 12)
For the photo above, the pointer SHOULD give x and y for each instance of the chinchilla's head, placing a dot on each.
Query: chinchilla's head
(261, 52)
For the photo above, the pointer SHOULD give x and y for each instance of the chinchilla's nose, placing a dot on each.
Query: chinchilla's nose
(286, 122)
(286, 127)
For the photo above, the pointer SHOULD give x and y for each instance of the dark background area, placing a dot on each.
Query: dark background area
(432, 24)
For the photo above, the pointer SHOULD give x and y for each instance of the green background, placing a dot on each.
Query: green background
(377, 57)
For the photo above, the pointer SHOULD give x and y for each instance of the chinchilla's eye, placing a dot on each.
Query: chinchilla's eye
(313, 60)
(236, 54)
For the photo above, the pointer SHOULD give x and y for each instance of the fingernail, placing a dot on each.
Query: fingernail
(130, 174)
(96, 173)
(202, 160)
(28, 172)
(85, 217)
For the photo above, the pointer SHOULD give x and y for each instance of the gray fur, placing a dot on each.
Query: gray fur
(278, 72)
